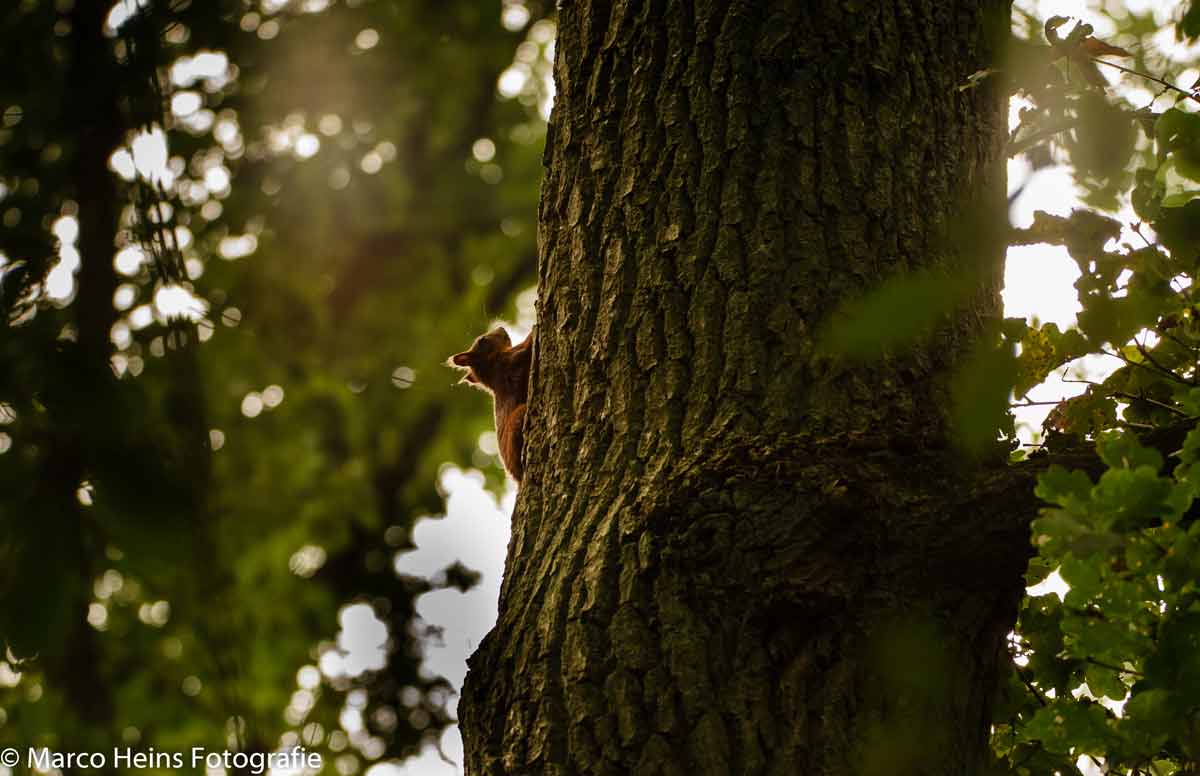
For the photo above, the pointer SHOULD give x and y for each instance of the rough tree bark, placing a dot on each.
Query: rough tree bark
(733, 554)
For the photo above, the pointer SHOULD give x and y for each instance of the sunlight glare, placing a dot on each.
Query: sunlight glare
(66, 229)
(150, 155)
(211, 66)
(121, 162)
(172, 301)
(218, 180)
(362, 640)
(129, 260)
(121, 13)
(186, 103)
(60, 283)
(141, 317)
(307, 145)
(1053, 583)
(1039, 281)
(513, 80)
(237, 246)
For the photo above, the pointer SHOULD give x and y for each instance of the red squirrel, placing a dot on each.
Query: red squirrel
(495, 365)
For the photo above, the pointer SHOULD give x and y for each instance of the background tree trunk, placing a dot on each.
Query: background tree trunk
(734, 554)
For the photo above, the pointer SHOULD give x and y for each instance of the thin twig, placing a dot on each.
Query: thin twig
(1146, 355)
(1148, 400)
(1036, 692)
(1166, 84)
(1165, 372)
(1111, 667)
(1015, 147)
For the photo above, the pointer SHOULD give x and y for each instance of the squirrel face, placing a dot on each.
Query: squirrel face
(502, 370)
(482, 359)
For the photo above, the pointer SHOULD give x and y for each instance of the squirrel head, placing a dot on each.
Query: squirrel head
(480, 359)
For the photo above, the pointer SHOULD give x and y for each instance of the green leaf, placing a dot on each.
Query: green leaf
(1037, 571)
(980, 393)
(1087, 413)
(1068, 727)
(1042, 351)
(1085, 579)
(1068, 488)
(1092, 635)
(1151, 709)
(1105, 681)
(1121, 450)
(1178, 187)
(1189, 402)
(1179, 136)
(897, 314)
(1176, 663)
(1127, 499)
(1181, 566)
(1117, 320)
(1147, 195)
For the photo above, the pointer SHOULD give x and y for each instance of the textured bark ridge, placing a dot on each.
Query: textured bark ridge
(733, 554)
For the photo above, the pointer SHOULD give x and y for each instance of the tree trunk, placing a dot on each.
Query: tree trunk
(734, 553)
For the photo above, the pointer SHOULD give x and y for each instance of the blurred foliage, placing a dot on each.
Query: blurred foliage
(213, 443)
(1107, 679)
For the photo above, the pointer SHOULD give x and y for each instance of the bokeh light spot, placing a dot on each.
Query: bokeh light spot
(237, 246)
(178, 302)
(330, 124)
(307, 560)
(97, 616)
(339, 178)
(371, 163)
(308, 677)
(512, 80)
(124, 296)
(307, 145)
(129, 259)
(186, 103)
(514, 17)
(366, 38)
(483, 149)
(272, 396)
(252, 404)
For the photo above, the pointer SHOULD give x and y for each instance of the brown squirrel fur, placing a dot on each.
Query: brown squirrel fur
(495, 365)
